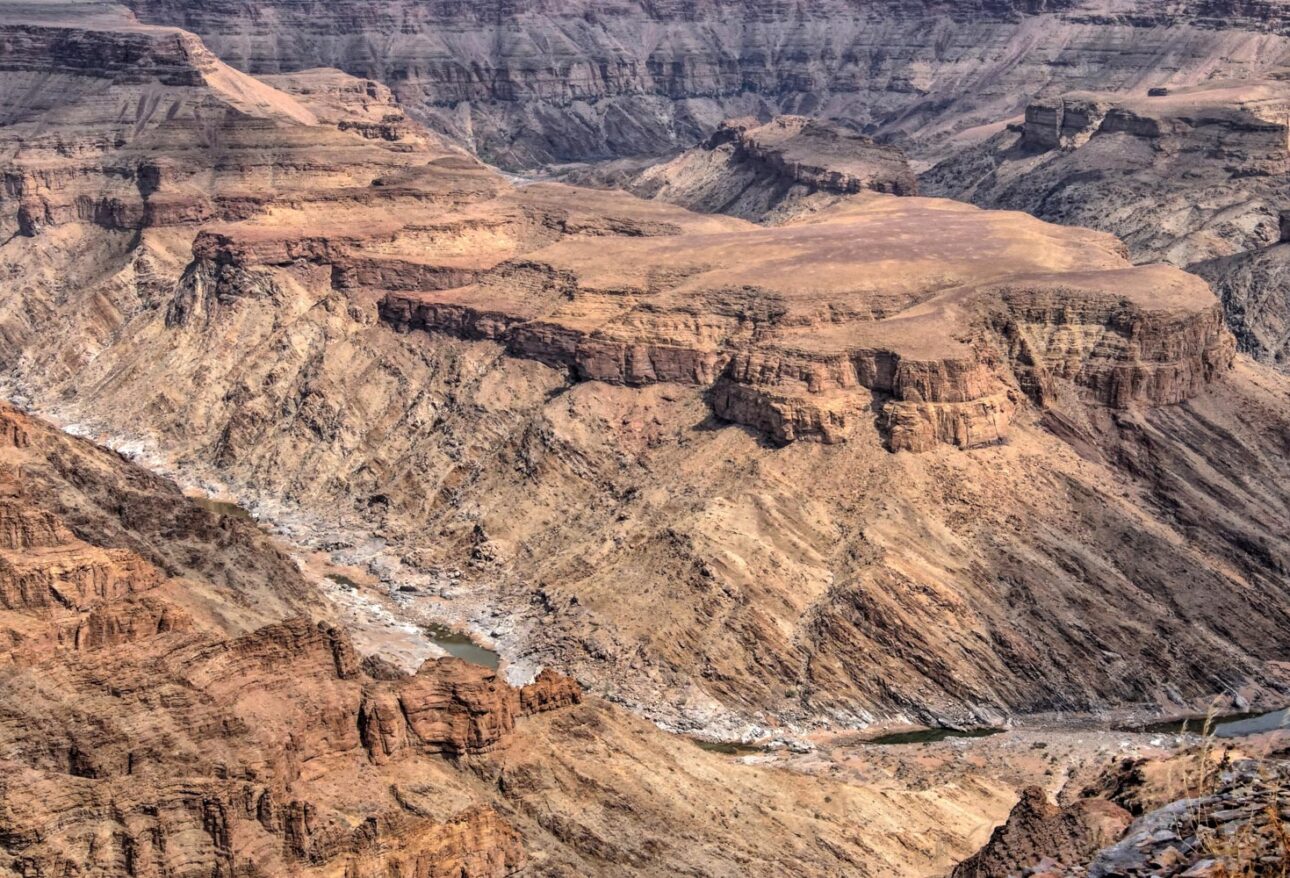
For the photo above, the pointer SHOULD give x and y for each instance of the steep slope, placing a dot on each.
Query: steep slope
(1195, 177)
(533, 82)
(155, 723)
(1255, 289)
(654, 448)
(1199, 812)
(182, 718)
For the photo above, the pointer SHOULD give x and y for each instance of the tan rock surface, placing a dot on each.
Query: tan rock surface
(1196, 177)
(765, 172)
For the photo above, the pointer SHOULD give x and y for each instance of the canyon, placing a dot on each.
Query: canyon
(830, 371)
(176, 701)
(570, 407)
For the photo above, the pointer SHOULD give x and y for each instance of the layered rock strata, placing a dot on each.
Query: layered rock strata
(765, 172)
(530, 83)
(844, 316)
(1195, 177)
(193, 723)
(142, 736)
(1254, 287)
(72, 155)
(555, 449)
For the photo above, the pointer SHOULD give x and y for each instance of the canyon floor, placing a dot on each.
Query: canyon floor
(743, 442)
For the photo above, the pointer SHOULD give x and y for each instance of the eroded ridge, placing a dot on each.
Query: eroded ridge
(933, 318)
(928, 319)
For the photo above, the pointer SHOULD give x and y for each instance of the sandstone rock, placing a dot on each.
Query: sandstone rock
(456, 708)
(1065, 122)
(1040, 831)
(549, 691)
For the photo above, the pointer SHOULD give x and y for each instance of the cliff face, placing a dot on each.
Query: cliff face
(606, 419)
(892, 342)
(150, 727)
(1255, 289)
(82, 159)
(531, 83)
(1195, 177)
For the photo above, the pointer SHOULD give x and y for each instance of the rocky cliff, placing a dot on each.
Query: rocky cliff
(143, 734)
(1201, 813)
(184, 719)
(152, 166)
(1255, 289)
(531, 83)
(1193, 176)
(1038, 831)
(893, 340)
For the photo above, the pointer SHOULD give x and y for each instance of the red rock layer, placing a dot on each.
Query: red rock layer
(141, 739)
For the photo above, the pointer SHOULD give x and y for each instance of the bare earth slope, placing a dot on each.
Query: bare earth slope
(166, 709)
(648, 447)
(534, 82)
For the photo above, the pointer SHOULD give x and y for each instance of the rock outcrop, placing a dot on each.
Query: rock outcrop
(453, 708)
(1038, 831)
(1224, 816)
(1195, 177)
(849, 313)
(765, 172)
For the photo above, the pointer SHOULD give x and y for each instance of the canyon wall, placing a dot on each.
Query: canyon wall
(167, 709)
(525, 84)
(765, 172)
(1194, 176)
